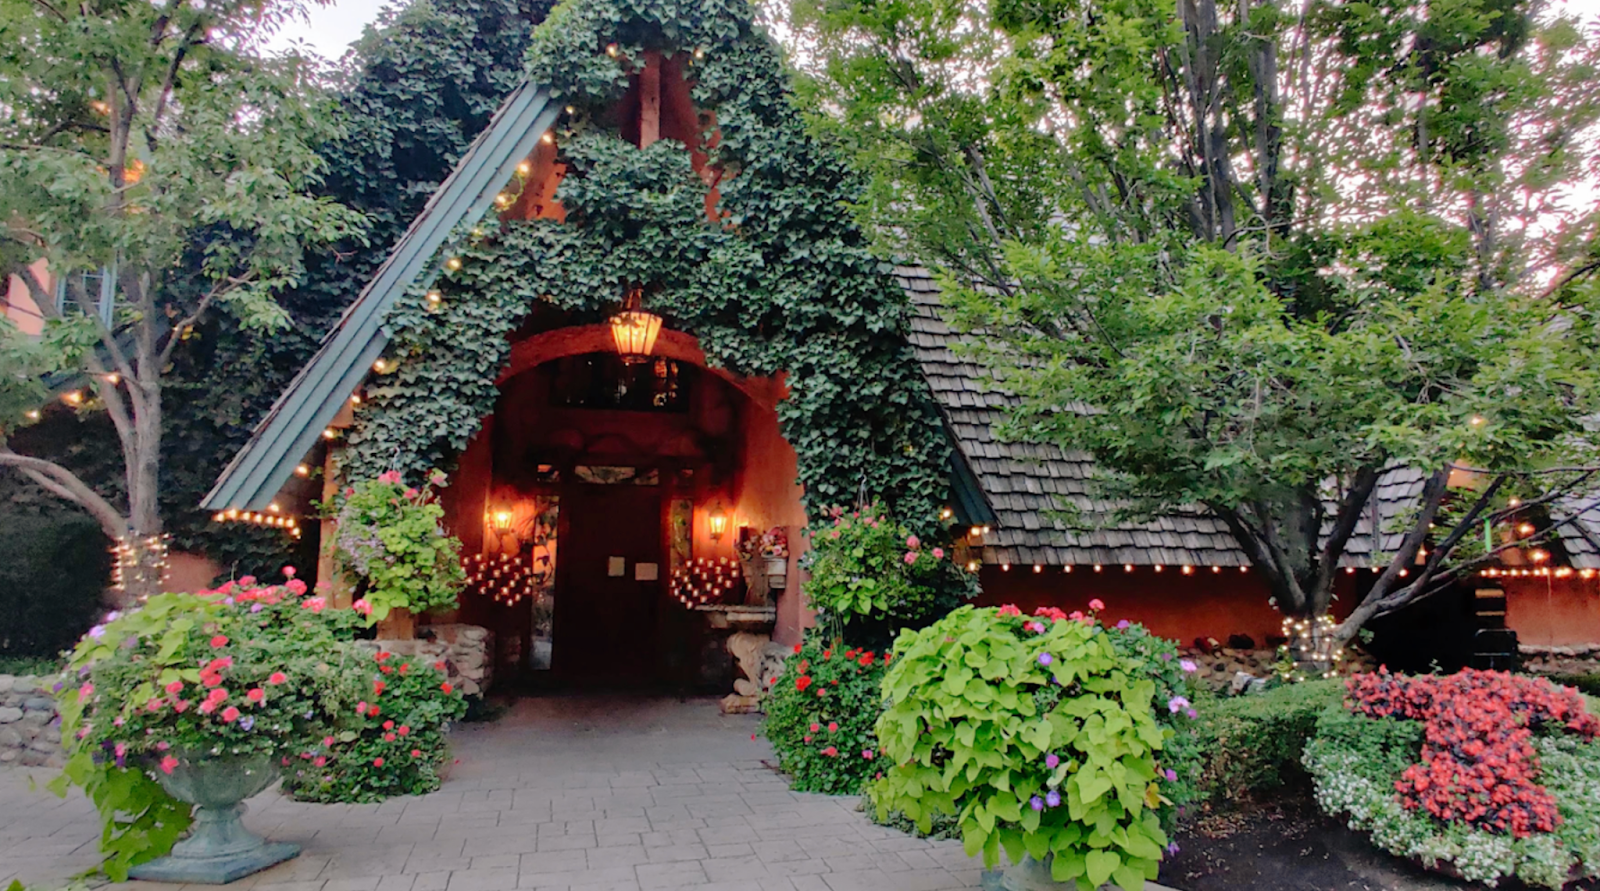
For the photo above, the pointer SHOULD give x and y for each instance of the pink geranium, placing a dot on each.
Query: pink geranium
(362, 606)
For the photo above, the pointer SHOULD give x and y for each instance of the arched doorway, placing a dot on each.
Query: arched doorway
(606, 479)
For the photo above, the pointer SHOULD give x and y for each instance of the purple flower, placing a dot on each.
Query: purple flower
(1166, 657)
(1053, 798)
(1036, 803)
(1052, 761)
(1123, 625)
(1172, 848)
(1177, 704)
(97, 632)
(1187, 665)
(246, 722)
(1046, 659)
(228, 600)
(1172, 775)
(1192, 713)
(255, 607)
(113, 615)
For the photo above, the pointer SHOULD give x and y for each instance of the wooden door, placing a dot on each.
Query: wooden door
(606, 622)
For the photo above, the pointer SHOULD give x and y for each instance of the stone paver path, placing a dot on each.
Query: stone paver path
(562, 792)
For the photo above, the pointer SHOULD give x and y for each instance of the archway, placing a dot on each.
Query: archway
(605, 477)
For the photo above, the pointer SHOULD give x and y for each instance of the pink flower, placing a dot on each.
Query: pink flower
(361, 707)
(1096, 605)
(404, 730)
(320, 760)
(388, 725)
(85, 691)
(377, 762)
(277, 677)
(912, 542)
(867, 754)
(288, 572)
(181, 706)
(1009, 609)
(938, 553)
(411, 493)
(362, 606)
(256, 694)
(416, 753)
(219, 642)
(230, 714)
(389, 476)
(217, 695)
(168, 764)
(152, 705)
(388, 737)
(833, 726)
(207, 707)
(175, 687)
(247, 581)
(830, 751)
(296, 587)
(911, 556)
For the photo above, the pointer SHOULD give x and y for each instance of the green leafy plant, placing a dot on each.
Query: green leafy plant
(390, 742)
(1253, 744)
(864, 565)
(820, 715)
(1040, 733)
(392, 537)
(243, 670)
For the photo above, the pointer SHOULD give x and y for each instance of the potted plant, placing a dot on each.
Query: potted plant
(392, 538)
(207, 695)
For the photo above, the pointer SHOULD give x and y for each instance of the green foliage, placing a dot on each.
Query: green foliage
(392, 537)
(1588, 684)
(139, 821)
(1040, 733)
(820, 715)
(391, 743)
(1254, 744)
(53, 568)
(1273, 245)
(1356, 761)
(783, 283)
(865, 566)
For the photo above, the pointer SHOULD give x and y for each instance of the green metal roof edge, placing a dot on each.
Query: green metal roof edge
(315, 396)
(967, 497)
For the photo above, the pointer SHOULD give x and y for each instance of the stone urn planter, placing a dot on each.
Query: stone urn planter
(219, 849)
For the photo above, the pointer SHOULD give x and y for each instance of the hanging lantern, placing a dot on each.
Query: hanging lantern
(634, 330)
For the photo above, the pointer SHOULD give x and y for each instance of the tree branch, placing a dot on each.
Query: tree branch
(66, 485)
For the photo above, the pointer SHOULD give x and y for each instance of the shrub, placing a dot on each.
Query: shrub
(53, 572)
(392, 537)
(820, 715)
(1254, 744)
(390, 741)
(1040, 734)
(1484, 774)
(865, 569)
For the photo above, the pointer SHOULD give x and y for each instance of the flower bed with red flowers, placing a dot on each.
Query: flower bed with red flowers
(820, 713)
(1485, 774)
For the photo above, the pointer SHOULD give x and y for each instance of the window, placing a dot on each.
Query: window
(603, 380)
(88, 293)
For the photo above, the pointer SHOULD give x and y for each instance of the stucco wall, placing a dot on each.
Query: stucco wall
(1553, 611)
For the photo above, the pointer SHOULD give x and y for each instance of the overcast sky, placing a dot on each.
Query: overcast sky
(332, 28)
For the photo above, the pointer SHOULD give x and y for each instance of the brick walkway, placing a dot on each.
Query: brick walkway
(591, 793)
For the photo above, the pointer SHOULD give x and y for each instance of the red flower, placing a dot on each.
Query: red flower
(833, 726)
(230, 714)
(377, 688)
(815, 727)
(446, 687)
(416, 753)
(372, 711)
(217, 695)
(219, 642)
(388, 725)
(388, 737)
(404, 730)
(381, 656)
(405, 667)
(802, 682)
(377, 762)
(277, 677)
(797, 648)
(830, 752)
(439, 665)
(1009, 610)
(256, 694)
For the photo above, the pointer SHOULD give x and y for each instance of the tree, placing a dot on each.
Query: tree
(162, 167)
(1253, 257)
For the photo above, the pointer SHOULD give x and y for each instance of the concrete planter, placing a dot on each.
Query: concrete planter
(219, 848)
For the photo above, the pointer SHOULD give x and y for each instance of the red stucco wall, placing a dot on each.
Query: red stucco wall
(1553, 612)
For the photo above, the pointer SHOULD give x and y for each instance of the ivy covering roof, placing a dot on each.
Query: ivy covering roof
(316, 395)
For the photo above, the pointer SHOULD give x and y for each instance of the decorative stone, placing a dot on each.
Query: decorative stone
(10, 738)
(6, 681)
(24, 684)
(39, 704)
(9, 755)
(10, 715)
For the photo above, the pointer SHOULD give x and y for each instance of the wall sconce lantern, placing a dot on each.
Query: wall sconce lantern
(502, 520)
(633, 330)
(717, 522)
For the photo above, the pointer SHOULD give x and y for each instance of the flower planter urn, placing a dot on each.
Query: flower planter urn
(1029, 875)
(219, 849)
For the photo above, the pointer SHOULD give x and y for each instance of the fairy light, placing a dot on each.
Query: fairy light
(1476, 421)
(1097, 567)
(1005, 567)
(112, 378)
(434, 299)
(549, 137)
(1127, 567)
(506, 578)
(704, 580)
(613, 50)
(1216, 568)
(1038, 567)
(33, 414)
(1187, 569)
(273, 520)
(1159, 567)
(302, 470)
(380, 366)
(72, 397)
(330, 433)
(524, 168)
(139, 562)
(1311, 642)
(1525, 529)
(946, 514)
(453, 264)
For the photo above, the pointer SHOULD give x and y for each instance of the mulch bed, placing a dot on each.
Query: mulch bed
(1290, 846)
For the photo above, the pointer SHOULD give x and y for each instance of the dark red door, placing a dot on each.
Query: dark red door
(607, 606)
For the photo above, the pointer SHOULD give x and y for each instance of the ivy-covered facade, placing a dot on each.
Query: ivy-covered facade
(653, 150)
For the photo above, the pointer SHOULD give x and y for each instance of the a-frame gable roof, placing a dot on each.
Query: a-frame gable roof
(316, 395)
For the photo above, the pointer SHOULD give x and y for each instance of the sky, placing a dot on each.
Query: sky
(332, 28)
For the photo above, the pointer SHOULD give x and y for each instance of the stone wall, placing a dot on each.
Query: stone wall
(30, 735)
(1575, 659)
(466, 650)
(1219, 667)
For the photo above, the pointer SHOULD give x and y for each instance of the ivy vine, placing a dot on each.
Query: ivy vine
(785, 282)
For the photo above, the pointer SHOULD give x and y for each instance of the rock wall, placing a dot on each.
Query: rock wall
(30, 734)
(1576, 659)
(1218, 667)
(466, 650)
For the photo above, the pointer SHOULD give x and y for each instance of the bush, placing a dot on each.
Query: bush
(1482, 774)
(1254, 744)
(53, 570)
(390, 742)
(1588, 684)
(392, 537)
(1040, 734)
(820, 715)
(870, 577)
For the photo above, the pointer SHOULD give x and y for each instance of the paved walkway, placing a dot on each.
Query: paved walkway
(579, 793)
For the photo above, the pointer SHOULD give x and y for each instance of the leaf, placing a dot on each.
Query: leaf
(1099, 865)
